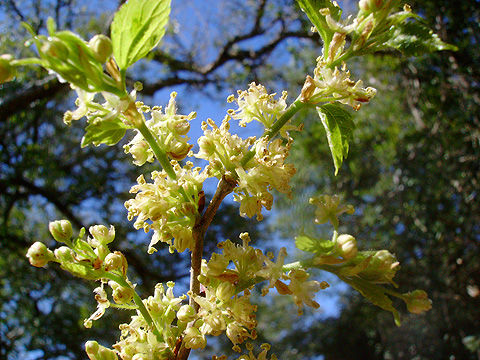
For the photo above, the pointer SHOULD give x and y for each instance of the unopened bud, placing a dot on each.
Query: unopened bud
(61, 230)
(194, 339)
(384, 260)
(186, 313)
(225, 291)
(39, 255)
(55, 48)
(101, 46)
(369, 6)
(7, 70)
(114, 261)
(417, 301)
(347, 246)
(64, 254)
(102, 235)
(121, 294)
(98, 352)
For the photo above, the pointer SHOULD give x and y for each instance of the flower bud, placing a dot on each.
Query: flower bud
(369, 6)
(7, 71)
(98, 352)
(121, 294)
(140, 152)
(186, 313)
(225, 291)
(347, 246)
(39, 255)
(114, 261)
(64, 254)
(384, 261)
(194, 339)
(102, 235)
(61, 230)
(417, 301)
(101, 46)
(55, 48)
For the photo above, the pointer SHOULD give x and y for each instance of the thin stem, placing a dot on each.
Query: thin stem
(138, 301)
(296, 106)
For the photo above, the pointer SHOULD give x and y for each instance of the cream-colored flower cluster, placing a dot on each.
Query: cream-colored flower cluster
(251, 266)
(139, 341)
(256, 104)
(168, 207)
(335, 85)
(170, 130)
(265, 172)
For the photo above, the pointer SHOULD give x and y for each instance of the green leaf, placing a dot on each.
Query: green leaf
(339, 126)
(104, 132)
(414, 38)
(137, 28)
(374, 293)
(310, 244)
(312, 9)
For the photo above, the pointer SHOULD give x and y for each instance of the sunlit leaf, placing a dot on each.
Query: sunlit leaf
(310, 244)
(414, 38)
(374, 293)
(339, 126)
(312, 9)
(137, 28)
(104, 132)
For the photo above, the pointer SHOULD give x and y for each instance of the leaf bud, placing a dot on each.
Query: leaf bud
(39, 255)
(102, 235)
(61, 230)
(7, 70)
(347, 246)
(55, 48)
(101, 46)
(186, 313)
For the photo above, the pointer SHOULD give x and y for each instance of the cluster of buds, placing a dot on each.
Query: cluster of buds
(266, 171)
(169, 128)
(250, 267)
(141, 341)
(335, 85)
(74, 60)
(168, 207)
(256, 104)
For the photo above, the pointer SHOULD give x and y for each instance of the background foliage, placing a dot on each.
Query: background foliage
(413, 176)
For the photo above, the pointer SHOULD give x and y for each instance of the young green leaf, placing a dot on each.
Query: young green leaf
(312, 9)
(310, 244)
(339, 127)
(137, 28)
(104, 132)
(374, 293)
(414, 38)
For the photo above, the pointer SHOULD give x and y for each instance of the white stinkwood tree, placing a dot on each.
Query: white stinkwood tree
(170, 204)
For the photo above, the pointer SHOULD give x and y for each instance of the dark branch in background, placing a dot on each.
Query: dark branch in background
(11, 4)
(38, 90)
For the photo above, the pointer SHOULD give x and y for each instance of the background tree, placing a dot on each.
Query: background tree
(45, 175)
(413, 177)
